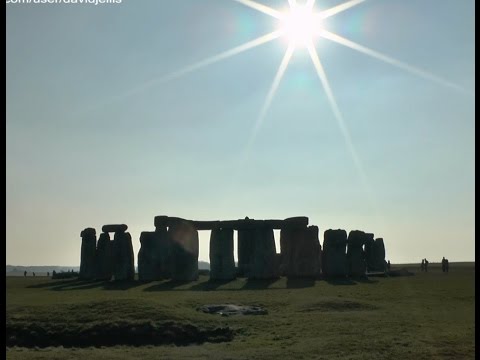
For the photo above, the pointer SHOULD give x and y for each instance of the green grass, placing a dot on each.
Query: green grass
(426, 316)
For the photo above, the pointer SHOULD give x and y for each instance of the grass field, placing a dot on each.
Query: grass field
(425, 316)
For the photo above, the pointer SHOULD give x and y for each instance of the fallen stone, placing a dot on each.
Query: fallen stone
(232, 309)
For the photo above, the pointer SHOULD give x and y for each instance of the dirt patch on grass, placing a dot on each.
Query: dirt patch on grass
(338, 305)
(29, 334)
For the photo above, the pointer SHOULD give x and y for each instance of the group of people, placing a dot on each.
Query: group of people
(424, 265)
(444, 264)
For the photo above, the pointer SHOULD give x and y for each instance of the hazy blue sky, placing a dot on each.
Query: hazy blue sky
(84, 150)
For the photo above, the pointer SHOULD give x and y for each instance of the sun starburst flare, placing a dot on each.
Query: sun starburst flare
(301, 26)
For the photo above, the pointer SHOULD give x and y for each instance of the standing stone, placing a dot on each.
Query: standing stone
(165, 257)
(148, 257)
(334, 258)
(103, 258)
(87, 254)
(222, 262)
(265, 264)
(356, 263)
(379, 253)
(370, 252)
(184, 238)
(301, 251)
(123, 268)
(246, 250)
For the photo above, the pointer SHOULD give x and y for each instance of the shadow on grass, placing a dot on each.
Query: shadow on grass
(340, 281)
(168, 286)
(258, 284)
(299, 283)
(209, 285)
(67, 285)
(68, 282)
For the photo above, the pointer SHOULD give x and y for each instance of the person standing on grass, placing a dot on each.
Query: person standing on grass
(426, 265)
(388, 265)
(446, 265)
(443, 264)
(25, 273)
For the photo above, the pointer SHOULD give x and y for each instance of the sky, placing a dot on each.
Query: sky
(99, 131)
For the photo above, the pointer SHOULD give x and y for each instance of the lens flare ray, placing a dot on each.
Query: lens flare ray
(261, 8)
(208, 61)
(338, 115)
(271, 94)
(339, 8)
(353, 45)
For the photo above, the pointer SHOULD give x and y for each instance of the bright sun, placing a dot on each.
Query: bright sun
(300, 25)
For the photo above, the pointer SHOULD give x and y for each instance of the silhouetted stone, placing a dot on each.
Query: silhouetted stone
(154, 255)
(265, 264)
(164, 244)
(116, 228)
(104, 258)
(123, 258)
(87, 254)
(356, 263)
(246, 249)
(297, 221)
(148, 257)
(301, 251)
(184, 238)
(222, 262)
(379, 252)
(334, 257)
(160, 221)
(241, 224)
(369, 252)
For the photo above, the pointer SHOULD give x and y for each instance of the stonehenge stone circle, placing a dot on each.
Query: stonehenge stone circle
(171, 251)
